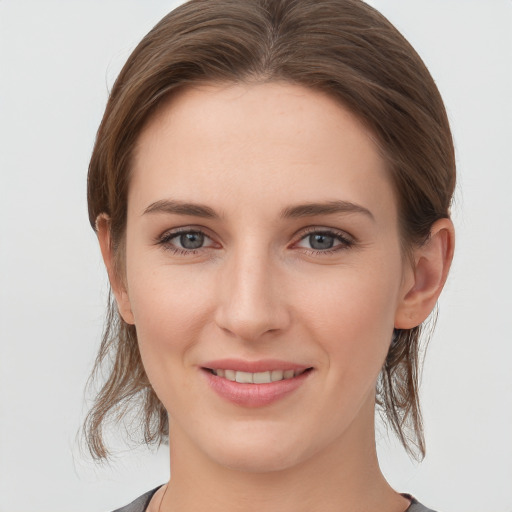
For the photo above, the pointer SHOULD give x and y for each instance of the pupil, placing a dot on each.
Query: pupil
(191, 240)
(320, 241)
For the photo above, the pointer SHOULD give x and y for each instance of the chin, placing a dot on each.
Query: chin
(259, 449)
(257, 459)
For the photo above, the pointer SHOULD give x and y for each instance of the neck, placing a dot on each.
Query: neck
(343, 477)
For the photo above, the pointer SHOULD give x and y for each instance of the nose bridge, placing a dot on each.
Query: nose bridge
(251, 303)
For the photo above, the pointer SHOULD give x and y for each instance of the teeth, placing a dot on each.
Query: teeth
(262, 378)
(230, 374)
(244, 377)
(276, 375)
(257, 378)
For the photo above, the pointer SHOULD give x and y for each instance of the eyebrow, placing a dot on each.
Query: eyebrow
(326, 208)
(181, 208)
(172, 206)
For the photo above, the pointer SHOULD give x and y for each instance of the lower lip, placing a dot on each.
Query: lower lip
(254, 395)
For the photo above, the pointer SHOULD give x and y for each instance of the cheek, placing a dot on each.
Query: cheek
(351, 315)
(168, 301)
(170, 305)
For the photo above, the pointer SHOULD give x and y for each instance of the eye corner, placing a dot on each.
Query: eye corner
(330, 240)
(175, 240)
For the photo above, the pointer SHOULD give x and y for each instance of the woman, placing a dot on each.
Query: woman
(270, 186)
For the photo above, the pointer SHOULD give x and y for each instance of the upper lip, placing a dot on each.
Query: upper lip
(262, 365)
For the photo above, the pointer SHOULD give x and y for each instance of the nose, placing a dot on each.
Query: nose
(251, 296)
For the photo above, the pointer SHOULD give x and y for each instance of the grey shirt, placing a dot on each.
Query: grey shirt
(142, 502)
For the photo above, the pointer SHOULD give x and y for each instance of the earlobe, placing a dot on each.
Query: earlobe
(432, 262)
(116, 282)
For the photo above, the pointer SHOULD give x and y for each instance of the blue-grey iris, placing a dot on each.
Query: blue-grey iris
(191, 240)
(320, 241)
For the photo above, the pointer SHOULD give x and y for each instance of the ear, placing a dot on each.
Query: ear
(426, 278)
(116, 281)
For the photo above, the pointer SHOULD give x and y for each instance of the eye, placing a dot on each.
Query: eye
(325, 241)
(191, 240)
(321, 241)
(185, 241)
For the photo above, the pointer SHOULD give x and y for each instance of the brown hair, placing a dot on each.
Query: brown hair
(342, 47)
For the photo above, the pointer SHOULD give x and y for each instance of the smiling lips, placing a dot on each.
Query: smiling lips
(266, 383)
(258, 377)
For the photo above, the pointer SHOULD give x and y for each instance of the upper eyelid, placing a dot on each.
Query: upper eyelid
(173, 232)
(165, 240)
(319, 229)
(169, 234)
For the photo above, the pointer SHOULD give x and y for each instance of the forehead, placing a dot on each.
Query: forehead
(230, 144)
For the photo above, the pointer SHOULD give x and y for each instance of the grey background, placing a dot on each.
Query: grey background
(57, 61)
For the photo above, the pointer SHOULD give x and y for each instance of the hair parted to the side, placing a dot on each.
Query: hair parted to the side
(342, 47)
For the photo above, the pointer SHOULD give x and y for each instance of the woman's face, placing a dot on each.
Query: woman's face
(262, 245)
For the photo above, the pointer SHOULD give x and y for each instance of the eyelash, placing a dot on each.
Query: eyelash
(165, 241)
(345, 241)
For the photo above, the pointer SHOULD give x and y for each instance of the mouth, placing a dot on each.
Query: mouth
(265, 377)
(255, 383)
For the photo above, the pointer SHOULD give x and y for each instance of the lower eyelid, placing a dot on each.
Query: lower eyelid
(166, 239)
(341, 238)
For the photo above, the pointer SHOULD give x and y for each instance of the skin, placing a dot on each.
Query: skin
(258, 289)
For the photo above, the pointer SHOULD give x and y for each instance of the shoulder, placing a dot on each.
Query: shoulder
(140, 504)
(415, 505)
